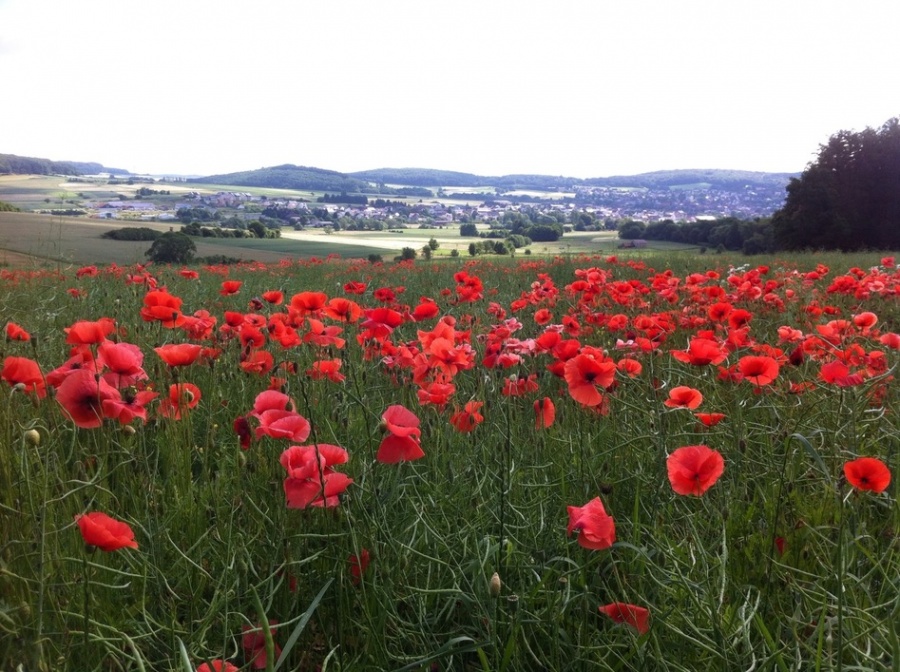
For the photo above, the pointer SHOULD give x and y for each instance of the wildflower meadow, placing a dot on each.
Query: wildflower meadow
(572, 463)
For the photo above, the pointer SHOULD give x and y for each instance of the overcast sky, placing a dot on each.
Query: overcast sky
(560, 87)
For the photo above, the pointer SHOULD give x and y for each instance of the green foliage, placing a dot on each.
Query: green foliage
(8, 207)
(849, 197)
(468, 229)
(632, 230)
(172, 248)
(407, 254)
(132, 233)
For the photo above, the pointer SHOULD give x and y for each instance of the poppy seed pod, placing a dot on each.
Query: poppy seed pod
(496, 585)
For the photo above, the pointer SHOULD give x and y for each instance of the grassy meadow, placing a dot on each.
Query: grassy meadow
(534, 507)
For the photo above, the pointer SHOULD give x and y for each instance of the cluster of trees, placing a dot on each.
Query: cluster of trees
(344, 197)
(726, 233)
(849, 197)
(232, 229)
(132, 233)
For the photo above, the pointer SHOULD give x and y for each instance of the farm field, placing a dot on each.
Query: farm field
(654, 461)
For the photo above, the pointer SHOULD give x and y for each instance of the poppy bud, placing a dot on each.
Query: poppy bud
(129, 430)
(33, 437)
(495, 585)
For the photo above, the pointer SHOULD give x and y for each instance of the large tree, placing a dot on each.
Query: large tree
(849, 197)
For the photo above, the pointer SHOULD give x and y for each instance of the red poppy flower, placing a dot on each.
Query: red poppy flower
(700, 352)
(358, 565)
(427, 309)
(629, 614)
(107, 534)
(182, 396)
(179, 354)
(254, 643)
(868, 473)
(230, 287)
(26, 372)
(436, 394)
(544, 413)
(312, 480)
(16, 333)
(82, 394)
(259, 362)
(469, 418)
(217, 666)
(124, 363)
(400, 421)
(710, 419)
(630, 367)
(355, 287)
(758, 370)
(326, 368)
(586, 372)
(343, 310)
(188, 274)
(596, 530)
(89, 333)
(684, 397)
(306, 303)
(273, 296)
(162, 307)
(838, 373)
(283, 425)
(132, 404)
(694, 469)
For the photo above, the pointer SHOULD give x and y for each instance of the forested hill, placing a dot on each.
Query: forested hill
(29, 165)
(300, 177)
(724, 180)
(288, 176)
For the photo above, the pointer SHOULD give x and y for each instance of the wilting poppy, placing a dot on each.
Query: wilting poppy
(596, 530)
(629, 614)
(684, 397)
(544, 413)
(469, 418)
(107, 534)
(759, 370)
(694, 469)
(868, 473)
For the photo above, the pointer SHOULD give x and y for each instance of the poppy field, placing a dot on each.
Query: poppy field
(571, 463)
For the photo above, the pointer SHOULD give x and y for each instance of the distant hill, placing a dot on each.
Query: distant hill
(722, 180)
(288, 176)
(300, 177)
(29, 165)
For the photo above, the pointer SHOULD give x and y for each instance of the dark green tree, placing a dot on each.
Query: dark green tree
(849, 197)
(172, 248)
